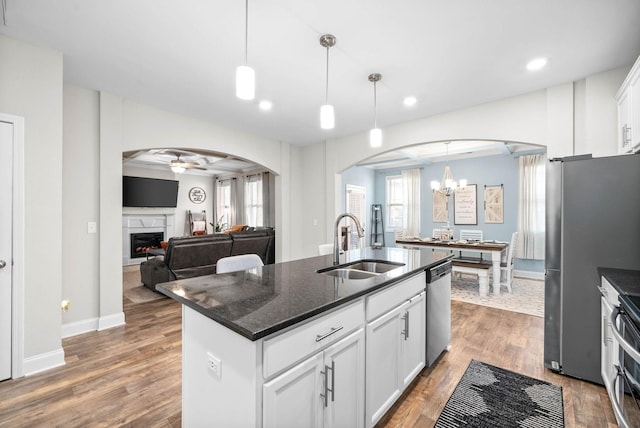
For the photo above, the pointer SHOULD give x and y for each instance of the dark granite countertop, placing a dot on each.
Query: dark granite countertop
(258, 302)
(623, 280)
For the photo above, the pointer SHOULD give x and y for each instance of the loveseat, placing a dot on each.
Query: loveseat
(190, 256)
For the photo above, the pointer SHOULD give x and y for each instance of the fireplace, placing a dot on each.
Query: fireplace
(143, 242)
(143, 224)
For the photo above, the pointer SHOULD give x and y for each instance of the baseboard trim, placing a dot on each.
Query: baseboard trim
(529, 274)
(42, 362)
(79, 327)
(110, 321)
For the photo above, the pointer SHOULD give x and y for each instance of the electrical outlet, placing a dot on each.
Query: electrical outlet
(215, 365)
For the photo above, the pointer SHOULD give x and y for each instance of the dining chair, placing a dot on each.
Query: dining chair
(324, 249)
(236, 263)
(506, 267)
(398, 235)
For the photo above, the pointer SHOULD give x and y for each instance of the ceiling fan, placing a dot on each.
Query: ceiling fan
(179, 166)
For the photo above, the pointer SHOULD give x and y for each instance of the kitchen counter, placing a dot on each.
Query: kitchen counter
(262, 301)
(623, 280)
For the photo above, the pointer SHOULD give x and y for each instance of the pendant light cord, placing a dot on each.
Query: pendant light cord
(4, 12)
(326, 100)
(246, 30)
(375, 105)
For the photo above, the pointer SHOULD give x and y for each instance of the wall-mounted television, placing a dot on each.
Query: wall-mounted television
(149, 192)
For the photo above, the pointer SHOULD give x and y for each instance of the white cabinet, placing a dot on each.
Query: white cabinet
(414, 338)
(396, 346)
(329, 371)
(628, 99)
(326, 390)
(609, 347)
(383, 364)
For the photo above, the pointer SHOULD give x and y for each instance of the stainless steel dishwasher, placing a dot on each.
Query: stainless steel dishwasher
(438, 310)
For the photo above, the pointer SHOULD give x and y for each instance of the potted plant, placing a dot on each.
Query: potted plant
(219, 226)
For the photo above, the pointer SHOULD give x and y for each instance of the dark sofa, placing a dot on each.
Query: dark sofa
(191, 256)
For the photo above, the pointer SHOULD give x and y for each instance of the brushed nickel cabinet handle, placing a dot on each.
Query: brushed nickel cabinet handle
(320, 337)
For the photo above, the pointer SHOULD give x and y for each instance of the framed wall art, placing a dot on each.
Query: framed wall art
(465, 205)
(197, 195)
(440, 208)
(494, 204)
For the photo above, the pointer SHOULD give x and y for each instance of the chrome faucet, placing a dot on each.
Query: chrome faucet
(336, 246)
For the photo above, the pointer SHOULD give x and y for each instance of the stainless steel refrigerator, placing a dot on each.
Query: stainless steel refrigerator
(592, 220)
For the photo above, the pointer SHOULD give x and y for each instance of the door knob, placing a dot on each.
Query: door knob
(2, 264)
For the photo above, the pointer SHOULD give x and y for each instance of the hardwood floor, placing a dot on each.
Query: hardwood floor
(130, 375)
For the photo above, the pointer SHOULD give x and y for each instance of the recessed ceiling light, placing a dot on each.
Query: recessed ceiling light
(536, 64)
(410, 101)
(265, 105)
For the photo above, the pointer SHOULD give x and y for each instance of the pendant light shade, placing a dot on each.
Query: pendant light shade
(245, 82)
(375, 135)
(327, 115)
(245, 76)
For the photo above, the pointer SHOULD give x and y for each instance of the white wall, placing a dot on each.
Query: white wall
(80, 180)
(31, 87)
(544, 117)
(186, 182)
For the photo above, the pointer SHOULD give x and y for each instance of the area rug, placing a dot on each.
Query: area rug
(488, 396)
(527, 295)
(141, 294)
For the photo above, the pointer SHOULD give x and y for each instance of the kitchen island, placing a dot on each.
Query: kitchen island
(285, 345)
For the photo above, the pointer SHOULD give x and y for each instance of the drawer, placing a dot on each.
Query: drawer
(290, 347)
(609, 293)
(389, 298)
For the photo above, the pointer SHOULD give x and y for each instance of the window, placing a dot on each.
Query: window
(253, 203)
(356, 200)
(223, 204)
(395, 209)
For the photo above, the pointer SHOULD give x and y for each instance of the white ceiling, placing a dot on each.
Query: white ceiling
(196, 161)
(450, 54)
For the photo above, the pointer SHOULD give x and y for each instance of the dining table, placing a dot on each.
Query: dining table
(496, 249)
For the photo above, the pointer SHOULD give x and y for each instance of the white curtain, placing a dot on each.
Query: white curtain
(266, 198)
(253, 205)
(225, 210)
(531, 211)
(411, 201)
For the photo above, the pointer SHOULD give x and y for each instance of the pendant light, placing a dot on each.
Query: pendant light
(375, 135)
(448, 185)
(245, 76)
(327, 115)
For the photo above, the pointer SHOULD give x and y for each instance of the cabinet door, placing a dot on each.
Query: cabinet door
(634, 111)
(609, 348)
(383, 364)
(292, 399)
(413, 319)
(624, 124)
(345, 404)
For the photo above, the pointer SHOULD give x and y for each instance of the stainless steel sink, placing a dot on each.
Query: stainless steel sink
(361, 269)
(349, 273)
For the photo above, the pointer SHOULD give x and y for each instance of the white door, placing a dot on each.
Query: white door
(293, 398)
(345, 404)
(6, 205)
(414, 337)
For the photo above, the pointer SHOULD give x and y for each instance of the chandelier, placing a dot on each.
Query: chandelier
(447, 185)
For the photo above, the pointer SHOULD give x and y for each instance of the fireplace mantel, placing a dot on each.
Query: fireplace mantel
(136, 222)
